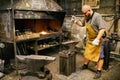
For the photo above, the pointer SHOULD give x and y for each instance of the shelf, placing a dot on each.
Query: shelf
(37, 37)
(46, 46)
(28, 39)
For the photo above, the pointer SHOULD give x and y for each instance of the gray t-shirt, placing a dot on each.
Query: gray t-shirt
(97, 22)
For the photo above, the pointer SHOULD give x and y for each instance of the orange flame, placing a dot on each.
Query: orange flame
(43, 32)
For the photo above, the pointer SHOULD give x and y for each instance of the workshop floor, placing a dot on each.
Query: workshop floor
(113, 73)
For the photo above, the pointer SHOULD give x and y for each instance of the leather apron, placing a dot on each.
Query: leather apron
(92, 52)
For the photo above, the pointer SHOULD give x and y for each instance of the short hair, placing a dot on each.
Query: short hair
(85, 8)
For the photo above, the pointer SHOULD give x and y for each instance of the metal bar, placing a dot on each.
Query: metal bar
(36, 47)
(13, 26)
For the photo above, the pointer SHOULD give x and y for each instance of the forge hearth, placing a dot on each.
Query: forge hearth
(22, 23)
(35, 15)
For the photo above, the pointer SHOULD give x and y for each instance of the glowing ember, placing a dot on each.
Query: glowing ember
(43, 32)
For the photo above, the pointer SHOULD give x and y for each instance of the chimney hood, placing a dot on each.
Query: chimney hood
(43, 5)
(48, 9)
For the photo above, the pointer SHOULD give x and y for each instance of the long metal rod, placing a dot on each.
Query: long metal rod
(14, 39)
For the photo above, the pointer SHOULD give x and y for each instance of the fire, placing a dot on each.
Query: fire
(43, 32)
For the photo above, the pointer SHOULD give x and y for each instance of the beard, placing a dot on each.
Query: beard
(87, 17)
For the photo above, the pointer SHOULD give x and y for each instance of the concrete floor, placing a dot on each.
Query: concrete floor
(113, 73)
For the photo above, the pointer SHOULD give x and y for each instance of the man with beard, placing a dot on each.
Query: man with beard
(95, 27)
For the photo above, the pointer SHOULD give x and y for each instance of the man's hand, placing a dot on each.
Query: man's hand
(96, 42)
(73, 18)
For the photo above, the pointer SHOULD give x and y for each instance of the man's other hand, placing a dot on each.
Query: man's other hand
(96, 42)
